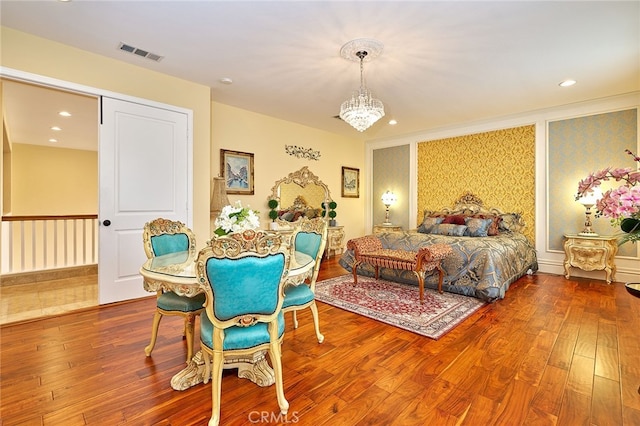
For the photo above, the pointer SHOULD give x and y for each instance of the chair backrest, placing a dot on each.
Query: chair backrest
(163, 236)
(310, 237)
(242, 275)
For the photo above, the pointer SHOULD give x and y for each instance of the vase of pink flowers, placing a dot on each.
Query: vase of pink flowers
(622, 204)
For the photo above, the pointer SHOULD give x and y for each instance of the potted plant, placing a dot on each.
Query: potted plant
(273, 213)
(332, 212)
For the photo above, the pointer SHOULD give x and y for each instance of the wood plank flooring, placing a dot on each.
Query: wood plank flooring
(553, 352)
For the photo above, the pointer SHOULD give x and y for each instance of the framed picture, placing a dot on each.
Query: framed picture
(237, 170)
(350, 182)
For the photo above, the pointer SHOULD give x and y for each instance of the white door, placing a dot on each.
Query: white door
(143, 168)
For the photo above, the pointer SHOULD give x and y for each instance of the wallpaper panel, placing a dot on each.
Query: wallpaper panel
(391, 172)
(497, 166)
(577, 147)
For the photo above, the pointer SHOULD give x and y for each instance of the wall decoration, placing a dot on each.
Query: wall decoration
(350, 182)
(300, 152)
(237, 170)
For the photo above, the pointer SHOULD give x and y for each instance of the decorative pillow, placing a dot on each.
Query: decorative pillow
(456, 219)
(477, 227)
(288, 216)
(449, 229)
(507, 220)
(428, 223)
(494, 227)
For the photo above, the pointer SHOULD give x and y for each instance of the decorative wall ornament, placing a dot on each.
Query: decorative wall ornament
(301, 152)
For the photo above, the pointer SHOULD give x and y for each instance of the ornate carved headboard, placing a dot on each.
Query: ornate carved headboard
(469, 204)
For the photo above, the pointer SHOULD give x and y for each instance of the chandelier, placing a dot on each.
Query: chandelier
(362, 110)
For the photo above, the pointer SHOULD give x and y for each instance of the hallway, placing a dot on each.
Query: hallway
(21, 302)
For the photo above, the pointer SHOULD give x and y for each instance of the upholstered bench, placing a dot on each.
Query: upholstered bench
(369, 250)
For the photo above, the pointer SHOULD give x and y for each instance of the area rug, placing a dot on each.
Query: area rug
(398, 304)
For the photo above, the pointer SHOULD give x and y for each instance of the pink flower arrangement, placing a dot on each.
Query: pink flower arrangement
(622, 204)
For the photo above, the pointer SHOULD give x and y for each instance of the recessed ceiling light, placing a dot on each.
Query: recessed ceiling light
(53, 140)
(64, 113)
(226, 80)
(393, 122)
(567, 83)
(56, 128)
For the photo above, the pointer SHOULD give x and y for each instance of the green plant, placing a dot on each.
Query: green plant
(332, 212)
(273, 213)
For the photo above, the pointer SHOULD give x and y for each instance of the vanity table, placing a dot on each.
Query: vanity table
(177, 272)
(299, 193)
(335, 241)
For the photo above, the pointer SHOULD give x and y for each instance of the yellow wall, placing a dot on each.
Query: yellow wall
(497, 166)
(241, 130)
(36, 55)
(215, 126)
(54, 181)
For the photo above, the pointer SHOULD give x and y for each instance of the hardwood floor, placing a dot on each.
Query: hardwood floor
(554, 351)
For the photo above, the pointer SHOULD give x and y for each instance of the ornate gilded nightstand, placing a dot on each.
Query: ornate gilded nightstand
(386, 228)
(591, 253)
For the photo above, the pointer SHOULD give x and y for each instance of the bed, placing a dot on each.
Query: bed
(489, 250)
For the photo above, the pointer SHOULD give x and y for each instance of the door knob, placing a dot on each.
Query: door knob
(106, 222)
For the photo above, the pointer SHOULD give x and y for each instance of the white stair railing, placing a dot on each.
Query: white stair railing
(38, 243)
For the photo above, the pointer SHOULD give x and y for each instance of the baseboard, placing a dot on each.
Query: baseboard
(48, 275)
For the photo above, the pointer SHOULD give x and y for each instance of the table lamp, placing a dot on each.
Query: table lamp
(388, 198)
(219, 197)
(589, 200)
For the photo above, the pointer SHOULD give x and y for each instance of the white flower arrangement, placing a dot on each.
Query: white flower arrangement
(235, 218)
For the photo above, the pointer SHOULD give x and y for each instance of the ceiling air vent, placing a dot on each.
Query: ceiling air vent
(143, 53)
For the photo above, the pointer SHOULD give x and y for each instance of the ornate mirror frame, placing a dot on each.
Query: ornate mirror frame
(302, 177)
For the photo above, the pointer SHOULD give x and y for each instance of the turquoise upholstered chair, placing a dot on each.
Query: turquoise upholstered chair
(309, 237)
(242, 275)
(163, 236)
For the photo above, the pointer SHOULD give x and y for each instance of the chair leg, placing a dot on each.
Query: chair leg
(189, 321)
(207, 364)
(216, 384)
(295, 319)
(316, 322)
(154, 333)
(275, 354)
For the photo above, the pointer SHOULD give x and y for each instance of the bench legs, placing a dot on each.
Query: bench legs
(419, 274)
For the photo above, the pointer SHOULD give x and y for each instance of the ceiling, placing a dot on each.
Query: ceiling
(443, 63)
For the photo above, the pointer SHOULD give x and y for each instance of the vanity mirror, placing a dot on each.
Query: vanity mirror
(301, 193)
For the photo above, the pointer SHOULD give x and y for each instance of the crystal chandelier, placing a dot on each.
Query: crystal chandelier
(362, 110)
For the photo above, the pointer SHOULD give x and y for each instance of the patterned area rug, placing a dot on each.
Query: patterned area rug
(398, 304)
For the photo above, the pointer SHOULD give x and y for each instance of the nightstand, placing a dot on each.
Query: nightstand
(591, 253)
(335, 241)
(386, 228)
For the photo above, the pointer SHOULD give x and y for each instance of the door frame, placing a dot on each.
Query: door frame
(48, 82)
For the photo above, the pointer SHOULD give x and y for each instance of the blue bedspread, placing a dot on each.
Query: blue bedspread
(481, 267)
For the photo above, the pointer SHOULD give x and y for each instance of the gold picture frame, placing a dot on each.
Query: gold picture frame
(350, 182)
(237, 169)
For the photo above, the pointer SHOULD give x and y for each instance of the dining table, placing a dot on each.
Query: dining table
(177, 272)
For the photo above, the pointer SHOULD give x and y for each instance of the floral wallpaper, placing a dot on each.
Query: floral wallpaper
(497, 166)
(577, 147)
(391, 173)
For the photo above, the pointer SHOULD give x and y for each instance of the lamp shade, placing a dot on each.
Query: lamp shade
(389, 198)
(590, 198)
(219, 197)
